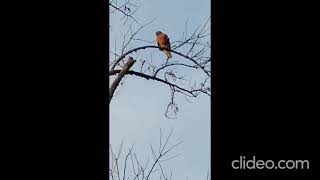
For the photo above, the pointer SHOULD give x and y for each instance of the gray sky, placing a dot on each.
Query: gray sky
(137, 110)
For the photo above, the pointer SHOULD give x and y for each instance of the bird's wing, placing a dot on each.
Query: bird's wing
(166, 41)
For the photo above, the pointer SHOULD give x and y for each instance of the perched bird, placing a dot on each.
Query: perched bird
(163, 42)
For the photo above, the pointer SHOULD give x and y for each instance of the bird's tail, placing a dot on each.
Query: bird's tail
(168, 53)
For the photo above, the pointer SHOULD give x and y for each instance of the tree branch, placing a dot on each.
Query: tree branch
(121, 74)
(145, 47)
(154, 78)
(128, 15)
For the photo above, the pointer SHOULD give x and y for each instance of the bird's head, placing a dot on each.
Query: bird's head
(158, 33)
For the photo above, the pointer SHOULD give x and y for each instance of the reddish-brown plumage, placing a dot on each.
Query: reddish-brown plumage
(163, 42)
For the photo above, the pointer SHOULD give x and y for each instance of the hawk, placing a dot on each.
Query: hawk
(163, 42)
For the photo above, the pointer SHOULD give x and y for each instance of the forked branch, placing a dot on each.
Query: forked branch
(121, 74)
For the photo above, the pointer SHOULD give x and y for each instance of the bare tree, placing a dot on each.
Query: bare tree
(129, 166)
(192, 54)
(126, 8)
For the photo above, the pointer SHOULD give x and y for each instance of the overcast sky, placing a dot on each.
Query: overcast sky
(137, 110)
